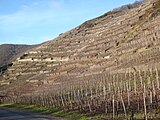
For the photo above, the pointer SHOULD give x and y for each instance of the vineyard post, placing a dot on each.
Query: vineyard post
(151, 99)
(124, 108)
(144, 100)
(128, 94)
(113, 106)
(104, 91)
(153, 88)
(135, 83)
(157, 78)
(141, 79)
(61, 95)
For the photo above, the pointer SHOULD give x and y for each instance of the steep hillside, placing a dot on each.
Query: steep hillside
(107, 58)
(119, 41)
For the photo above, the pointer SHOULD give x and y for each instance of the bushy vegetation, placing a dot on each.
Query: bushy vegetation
(88, 24)
(123, 8)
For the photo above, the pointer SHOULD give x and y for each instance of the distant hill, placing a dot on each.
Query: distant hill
(8, 52)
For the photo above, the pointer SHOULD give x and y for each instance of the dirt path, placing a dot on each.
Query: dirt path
(13, 114)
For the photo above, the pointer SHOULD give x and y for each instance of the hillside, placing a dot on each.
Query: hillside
(8, 52)
(112, 58)
(118, 41)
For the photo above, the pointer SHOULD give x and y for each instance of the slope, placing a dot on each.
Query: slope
(108, 65)
(9, 51)
(121, 41)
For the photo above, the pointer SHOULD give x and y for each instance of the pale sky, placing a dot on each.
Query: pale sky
(36, 21)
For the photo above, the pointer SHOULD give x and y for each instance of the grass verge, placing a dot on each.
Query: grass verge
(75, 115)
(49, 111)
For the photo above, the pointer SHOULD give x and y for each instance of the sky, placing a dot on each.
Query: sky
(37, 21)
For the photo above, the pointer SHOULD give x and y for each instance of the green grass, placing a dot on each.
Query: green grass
(55, 112)
(73, 115)
(48, 111)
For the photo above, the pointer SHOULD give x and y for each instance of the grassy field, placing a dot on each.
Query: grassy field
(68, 114)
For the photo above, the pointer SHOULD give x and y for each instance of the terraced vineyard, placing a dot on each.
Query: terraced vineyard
(107, 65)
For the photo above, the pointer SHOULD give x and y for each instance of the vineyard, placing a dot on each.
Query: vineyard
(116, 95)
(108, 65)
